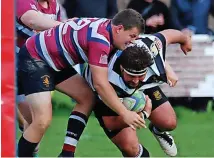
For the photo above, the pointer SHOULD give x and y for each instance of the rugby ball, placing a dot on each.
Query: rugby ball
(136, 102)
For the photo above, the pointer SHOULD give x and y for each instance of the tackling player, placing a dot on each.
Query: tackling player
(127, 73)
(45, 63)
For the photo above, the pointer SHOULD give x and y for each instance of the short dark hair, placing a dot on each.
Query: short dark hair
(129, 18)
(136, 58)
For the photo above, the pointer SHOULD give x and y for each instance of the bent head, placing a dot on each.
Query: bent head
(126, 27)
(134, 63)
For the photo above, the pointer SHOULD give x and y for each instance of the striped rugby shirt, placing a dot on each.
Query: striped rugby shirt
(155, 76)
(73, 42)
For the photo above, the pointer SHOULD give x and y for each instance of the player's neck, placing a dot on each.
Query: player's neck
(44, 3)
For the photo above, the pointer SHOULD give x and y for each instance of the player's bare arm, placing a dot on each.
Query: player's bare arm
(110, 98)
(176, 36)
(171, 75)
(37, 21)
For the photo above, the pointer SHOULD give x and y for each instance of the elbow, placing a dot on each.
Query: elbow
(99, 85)
(32, 25)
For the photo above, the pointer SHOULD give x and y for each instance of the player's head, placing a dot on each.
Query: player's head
(134, 63)
(126, 26)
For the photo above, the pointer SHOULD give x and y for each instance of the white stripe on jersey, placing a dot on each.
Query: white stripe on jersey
(94, 34)
(77, 27)
(45, 51)
(57, 8)
(65, 52)
(24, 29)
(155, 69)
(82, 53)
(88, 77)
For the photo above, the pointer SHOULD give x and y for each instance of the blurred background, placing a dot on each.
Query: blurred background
(192, 97)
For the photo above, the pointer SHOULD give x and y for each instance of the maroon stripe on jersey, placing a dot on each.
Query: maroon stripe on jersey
(51, 46)
(69, 46)
(82, 39)
(31, 47)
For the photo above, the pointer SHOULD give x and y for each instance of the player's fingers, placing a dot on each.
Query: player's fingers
(141, 126)
(169, 83)
(175, 82)
(141, 122)
(132, 127)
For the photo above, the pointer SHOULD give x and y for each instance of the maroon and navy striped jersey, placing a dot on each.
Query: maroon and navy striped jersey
(73, 42)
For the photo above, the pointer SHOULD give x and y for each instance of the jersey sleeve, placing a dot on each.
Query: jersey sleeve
(98, 54)
(157, 45)
(22, 6)
(160, 44)
(158, 48)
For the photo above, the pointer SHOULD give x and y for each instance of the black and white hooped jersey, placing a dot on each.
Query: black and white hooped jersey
(155, 76)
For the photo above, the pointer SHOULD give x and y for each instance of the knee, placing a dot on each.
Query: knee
(170, 125)
(42, 123)
(130, 150)
(86, 99)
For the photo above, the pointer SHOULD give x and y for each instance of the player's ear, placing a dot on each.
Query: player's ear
(121, 68)
(119, 28)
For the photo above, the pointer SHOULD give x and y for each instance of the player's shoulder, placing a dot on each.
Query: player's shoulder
(100, 33)
(151, 37)
(156, 38)
(103, 26)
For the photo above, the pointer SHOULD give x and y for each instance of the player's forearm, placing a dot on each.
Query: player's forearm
(168, 67)
(109, 97)
(38, 22)
(174, 36)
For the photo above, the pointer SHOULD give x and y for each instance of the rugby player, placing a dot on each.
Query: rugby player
(32, 16)
(45, 63)
(129, 71)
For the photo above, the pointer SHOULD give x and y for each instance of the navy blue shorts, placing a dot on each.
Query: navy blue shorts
(35, 75)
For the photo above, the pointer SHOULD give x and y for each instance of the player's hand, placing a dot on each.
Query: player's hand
(187, 45)
(132, 119)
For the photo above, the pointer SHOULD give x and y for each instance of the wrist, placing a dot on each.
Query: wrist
(145, 114)
(123, 112)
(183, 38)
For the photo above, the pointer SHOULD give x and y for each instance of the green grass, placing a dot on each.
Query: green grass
(194, 136)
